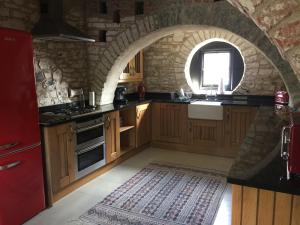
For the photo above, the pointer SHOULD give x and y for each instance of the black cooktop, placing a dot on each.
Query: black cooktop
(55, 115)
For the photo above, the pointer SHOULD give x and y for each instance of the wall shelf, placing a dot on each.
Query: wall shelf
(125, 128)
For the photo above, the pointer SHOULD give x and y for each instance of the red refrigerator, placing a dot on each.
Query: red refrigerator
(21, 172)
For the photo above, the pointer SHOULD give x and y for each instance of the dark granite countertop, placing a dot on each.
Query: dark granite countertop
(50, 119)
(259, 164)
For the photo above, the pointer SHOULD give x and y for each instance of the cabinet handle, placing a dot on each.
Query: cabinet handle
(72, 132)
(227, 116)
(8, 166)
(107, 125)
(7, 146)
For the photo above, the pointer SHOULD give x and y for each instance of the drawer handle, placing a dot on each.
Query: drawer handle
(8, 166)
(7, 146)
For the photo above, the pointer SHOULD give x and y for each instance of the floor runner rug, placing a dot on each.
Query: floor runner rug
(161, 194)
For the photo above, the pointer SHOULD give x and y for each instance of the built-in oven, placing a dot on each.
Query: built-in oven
(90, 148)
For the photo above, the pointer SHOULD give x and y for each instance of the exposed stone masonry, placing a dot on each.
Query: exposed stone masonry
(162, 63)
(260, 146)
(19, 14)
(164, 22)
(280, 20)
(59, 66)
(162, 18)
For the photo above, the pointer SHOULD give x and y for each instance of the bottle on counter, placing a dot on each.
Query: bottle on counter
(221, 87)
(141, 91)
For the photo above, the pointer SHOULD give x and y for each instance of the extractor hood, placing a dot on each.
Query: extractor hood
(52, 26)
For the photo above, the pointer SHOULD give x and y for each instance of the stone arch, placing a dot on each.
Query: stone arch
(254, 74)
(149, 29)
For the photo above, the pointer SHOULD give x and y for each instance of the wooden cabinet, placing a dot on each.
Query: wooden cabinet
(169, 122)
(112, 136)
(172, 129)
(143, 124)
(60, 157)
(237, 121)
(263, 207)
(127, 130)
(205, 133)
(134, 70)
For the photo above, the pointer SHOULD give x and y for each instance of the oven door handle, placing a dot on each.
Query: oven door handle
(89, 148)
(79, 130)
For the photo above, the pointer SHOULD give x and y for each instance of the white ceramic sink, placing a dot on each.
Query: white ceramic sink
(208, 110)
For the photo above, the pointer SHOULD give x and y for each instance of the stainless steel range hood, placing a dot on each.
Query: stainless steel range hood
(52, 26)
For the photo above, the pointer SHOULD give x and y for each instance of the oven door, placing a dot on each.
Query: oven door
(89, 157)
(88, 133)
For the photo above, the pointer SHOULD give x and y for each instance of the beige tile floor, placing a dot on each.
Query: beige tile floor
(76, 203)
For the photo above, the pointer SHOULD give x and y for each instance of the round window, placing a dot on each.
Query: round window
(216, 64)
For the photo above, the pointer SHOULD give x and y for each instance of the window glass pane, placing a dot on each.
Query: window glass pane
(216, 65)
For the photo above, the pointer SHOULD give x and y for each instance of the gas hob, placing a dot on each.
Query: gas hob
(63, 114)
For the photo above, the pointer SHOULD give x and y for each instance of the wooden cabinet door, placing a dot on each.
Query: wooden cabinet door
(112, 136)
(143, 124)
(134, 70)
(139, 66)
(170, 122)
(205, 133)
(60, 155)
(237, 122)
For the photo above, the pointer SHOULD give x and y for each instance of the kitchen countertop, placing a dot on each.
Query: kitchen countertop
(259, 164)
(47, 118)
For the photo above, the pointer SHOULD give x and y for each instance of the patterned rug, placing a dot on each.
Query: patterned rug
(161, 195)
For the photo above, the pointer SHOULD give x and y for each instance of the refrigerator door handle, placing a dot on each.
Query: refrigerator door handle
(8, 166)
(7, 146)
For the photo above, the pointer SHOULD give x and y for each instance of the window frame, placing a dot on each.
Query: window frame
(217, 50)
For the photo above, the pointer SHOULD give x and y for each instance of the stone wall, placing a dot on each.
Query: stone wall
(19, 14)
(261, 144)
(105, 60)
(180, 16)
(162, 64)
(58, 65)
(280, 20)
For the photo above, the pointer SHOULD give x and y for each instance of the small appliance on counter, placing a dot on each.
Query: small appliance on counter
(281, 101)
(281, 97)
(78, 93)
(290, 145)
(120, 96)
(92, 99)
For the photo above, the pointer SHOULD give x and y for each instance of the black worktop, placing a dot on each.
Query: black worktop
(133, 100)
(258, 163)
(272, 177)
(101, 109)
(238, 100)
